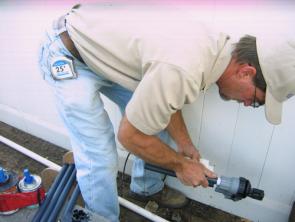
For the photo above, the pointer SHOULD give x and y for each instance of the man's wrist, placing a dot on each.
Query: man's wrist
(184, 146)
(178, 164)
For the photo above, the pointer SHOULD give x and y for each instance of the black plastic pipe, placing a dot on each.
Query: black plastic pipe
(148, 166)
(50, 194)
(159, 169)
(57, 193)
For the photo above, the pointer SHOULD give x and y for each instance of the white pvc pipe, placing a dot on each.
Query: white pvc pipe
(122, 201)
(30, 154)
(141, 211)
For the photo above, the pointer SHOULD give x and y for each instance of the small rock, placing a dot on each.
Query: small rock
(176, 217)
(151, 206)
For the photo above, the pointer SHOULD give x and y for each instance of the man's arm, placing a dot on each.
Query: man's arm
(153, 150)
(178, 131)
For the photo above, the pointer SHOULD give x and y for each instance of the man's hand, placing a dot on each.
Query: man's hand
(194, 173)
(190, 151)
(178, 131)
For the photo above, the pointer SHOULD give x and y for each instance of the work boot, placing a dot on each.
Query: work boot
(167, 197)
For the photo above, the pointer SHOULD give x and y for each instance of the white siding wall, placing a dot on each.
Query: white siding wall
(237, 140)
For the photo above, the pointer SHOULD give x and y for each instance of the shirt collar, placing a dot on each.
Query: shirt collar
(223, 58)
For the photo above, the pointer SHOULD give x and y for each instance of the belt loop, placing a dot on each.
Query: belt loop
(61, 24)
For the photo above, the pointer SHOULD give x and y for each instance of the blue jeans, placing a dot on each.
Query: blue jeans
(91, 133)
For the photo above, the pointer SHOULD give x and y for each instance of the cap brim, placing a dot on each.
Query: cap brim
(273, 109)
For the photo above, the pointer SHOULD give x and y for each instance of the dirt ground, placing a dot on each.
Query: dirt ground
(15, 161)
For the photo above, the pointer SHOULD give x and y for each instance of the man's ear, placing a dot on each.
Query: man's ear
(246, 71)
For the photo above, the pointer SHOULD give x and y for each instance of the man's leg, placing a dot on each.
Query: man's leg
(146, 182)
(90, 130)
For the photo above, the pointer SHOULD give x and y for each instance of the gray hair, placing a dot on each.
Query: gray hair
(245, 52)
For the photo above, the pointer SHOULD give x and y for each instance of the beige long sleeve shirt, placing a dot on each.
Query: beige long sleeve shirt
(164, 57)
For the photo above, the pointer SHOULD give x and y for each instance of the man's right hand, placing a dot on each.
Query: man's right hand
(193, 173)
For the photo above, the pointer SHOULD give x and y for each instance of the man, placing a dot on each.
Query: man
(165, 63)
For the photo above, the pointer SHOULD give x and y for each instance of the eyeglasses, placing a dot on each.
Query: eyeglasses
(255, 103)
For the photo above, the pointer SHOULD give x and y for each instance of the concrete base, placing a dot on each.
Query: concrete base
(24, 215)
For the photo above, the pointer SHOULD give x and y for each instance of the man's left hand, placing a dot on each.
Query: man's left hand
(190, 151)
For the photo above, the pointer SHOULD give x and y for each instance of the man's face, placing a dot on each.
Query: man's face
(241, 88)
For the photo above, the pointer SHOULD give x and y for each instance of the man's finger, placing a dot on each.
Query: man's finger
(204, 183)
(210, 173)
(196, 156)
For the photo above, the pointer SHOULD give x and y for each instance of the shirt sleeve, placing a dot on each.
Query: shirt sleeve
(164, 89)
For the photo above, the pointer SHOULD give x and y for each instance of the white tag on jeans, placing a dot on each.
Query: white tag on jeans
(62, 68)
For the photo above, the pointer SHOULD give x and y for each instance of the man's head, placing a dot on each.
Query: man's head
(263, 71)
(243, 80)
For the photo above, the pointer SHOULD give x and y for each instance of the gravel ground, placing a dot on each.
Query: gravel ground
(15, 161)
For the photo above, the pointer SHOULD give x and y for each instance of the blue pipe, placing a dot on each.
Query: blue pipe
(67, 214)
(57, 193)
(50, 194)
(62, 197)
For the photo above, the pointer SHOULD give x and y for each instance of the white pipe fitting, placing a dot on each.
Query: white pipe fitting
(122, 201)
